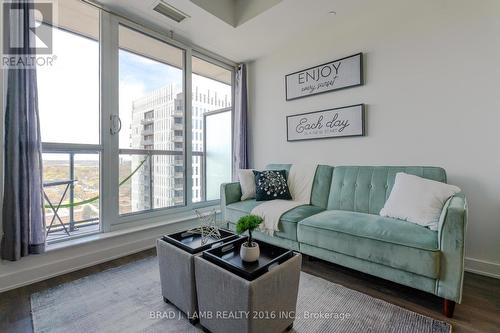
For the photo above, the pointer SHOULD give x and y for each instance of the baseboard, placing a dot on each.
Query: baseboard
(482, 267)
(76, 268)
(31, 270)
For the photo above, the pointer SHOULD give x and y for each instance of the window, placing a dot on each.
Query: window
(68, 102)
(82, 92)
(214, 83)
(218, 130)
(151, 110)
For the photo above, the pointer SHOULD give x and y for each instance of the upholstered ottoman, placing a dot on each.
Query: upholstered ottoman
(175, 256)
(177, 278)
(230, 303)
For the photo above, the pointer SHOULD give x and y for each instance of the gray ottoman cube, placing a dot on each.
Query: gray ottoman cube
(229, 303)
(177, 278)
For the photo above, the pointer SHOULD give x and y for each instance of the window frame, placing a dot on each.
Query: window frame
(109, 85)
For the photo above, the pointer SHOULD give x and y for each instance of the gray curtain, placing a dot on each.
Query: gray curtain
(240, 151)
(23, 215)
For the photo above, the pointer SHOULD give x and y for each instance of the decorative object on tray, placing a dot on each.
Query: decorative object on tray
(271, 185)
(249, 250)
(208, 228)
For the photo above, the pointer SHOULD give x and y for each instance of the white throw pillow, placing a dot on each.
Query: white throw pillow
(247, 182)
(418, 200)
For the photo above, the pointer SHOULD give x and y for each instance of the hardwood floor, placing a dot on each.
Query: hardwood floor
(479, 311)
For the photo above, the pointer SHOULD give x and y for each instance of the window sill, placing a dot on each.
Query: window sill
(177, 219)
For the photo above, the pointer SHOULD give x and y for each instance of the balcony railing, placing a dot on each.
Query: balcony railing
(71, 216)
(79, 208)
(148, 166)
(147, 131)
(147, 142)
(147, 121)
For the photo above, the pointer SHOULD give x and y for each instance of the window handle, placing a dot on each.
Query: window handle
(116, 124)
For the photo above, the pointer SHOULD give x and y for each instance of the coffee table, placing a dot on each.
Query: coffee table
(235, 296)
(175, 256)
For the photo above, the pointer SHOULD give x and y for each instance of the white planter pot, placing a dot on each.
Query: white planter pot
(249, 253)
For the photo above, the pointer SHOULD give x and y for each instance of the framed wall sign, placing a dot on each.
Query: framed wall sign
(331, 123)
(338, 74)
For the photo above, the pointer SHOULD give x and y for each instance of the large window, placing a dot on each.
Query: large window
(115, 128)
(68, 95)
(211, 91)
(152, 115)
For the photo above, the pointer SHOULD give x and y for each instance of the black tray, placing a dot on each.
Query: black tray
(228, 257)
(191, 242)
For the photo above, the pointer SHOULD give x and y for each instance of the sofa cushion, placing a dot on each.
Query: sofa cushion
(386, 241)
(365, 189)
(271, 185)
(288, 222)
(321, 186)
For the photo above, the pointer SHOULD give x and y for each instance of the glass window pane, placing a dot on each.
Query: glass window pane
(150, 182)
(55, 167)
(168, 185)
(135, 183)
(151, 91)
(152, 115)
(68, 91)
(211, 85)
(86, 172)
(72, 179)
(218, 152)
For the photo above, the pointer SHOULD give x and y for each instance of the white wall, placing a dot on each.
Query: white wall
(432, 92)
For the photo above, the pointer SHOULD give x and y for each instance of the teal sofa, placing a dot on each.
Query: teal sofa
(341, 225)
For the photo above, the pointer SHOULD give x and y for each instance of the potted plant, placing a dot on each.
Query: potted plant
(249, 250)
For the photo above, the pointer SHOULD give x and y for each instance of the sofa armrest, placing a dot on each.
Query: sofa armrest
(451, 237)
(229, 193)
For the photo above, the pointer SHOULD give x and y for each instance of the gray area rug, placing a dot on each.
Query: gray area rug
(128, 299)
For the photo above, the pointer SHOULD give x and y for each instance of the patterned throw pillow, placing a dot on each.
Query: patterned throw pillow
(270, 185)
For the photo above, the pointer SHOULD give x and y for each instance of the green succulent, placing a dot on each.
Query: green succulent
(248, 223)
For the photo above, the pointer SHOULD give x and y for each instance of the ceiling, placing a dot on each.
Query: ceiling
(252, 38)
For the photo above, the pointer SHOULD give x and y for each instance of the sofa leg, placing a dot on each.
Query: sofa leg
(448, 307)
